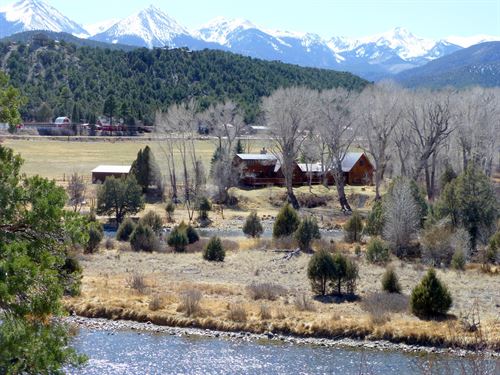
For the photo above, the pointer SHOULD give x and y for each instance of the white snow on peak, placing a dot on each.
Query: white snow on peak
(38, 15)
(467, 41)
(101, 26)
(404, 42)
(152, 25)
(220, 29)
(341, 44)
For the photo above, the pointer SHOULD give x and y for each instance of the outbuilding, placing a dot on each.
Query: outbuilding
(100, 173)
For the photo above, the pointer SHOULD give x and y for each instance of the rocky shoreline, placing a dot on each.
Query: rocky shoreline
(148, 327)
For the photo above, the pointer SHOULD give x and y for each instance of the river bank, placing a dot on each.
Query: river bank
(227, 301)
(114, 326)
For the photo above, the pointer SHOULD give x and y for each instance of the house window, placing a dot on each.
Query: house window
(361, 162)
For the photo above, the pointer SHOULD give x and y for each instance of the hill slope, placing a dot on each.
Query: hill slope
(476, 65)
(143, 80)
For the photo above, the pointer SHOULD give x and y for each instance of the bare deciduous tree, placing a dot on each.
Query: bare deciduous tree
(380, 113)
(429, 117)
(338, 128)
(225, 121)
(401, 219)
(179, 125)
(289, 115)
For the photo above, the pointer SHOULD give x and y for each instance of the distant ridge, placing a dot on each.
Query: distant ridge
(476, 65)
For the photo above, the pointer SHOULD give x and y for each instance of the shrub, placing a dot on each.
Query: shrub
(430, 298)
(377, 251)
(153, 220)
(125, 230)
(143, 238)
(390, 282)
(265, 312)
(286, 222)
(190, 302)
(137, 282)
(320, 271)
(353, 228)
(178, 239)
(306, 232)
(170, 209)
(458, 260)
(490, 253)
(357, 250)
(204, 206)
(192, 234)
(267, 291)
(437, 246)
(109, 244)
(375, 220)
(237, 313)
(96, 235)
(302, 302)
(380, 305)
(214, 250)
(155, 303)
(253, 227)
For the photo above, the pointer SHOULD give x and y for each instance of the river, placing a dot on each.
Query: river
(132, 352)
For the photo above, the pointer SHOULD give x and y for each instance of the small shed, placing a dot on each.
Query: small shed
(100, 173)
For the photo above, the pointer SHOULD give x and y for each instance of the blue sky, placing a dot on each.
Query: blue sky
(427, 18)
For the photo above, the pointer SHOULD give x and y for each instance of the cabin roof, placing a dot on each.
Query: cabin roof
(112, 169)
(314, 168)
(350, 160)
(257, 157)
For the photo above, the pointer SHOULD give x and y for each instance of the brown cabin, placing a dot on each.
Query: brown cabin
(264, 169)
(357, 168)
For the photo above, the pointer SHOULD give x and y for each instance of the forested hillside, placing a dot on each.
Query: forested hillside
(72, 79)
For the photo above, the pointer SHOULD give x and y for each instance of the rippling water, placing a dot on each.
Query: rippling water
(147, 353)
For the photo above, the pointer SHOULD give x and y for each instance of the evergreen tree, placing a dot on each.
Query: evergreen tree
(320, 270)
(109, 108)
(286, 222)
(253, 227)
(239, 147)
(430, 298)
(145, 169)
(36, 235)
(119, 197)
(306, 232)
(178, 239)
(390, 282)
(353, 228)
(214, 251)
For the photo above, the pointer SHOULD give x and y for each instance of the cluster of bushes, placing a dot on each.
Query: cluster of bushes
(288, 224)
(181, 236)
(56, 132)
(332, 273)
(143, 236)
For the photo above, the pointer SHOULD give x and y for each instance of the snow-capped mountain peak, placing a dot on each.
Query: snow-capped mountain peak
(151, 26)
(28, 15)
(220, 29)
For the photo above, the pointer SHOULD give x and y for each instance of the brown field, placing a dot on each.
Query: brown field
(223, 286)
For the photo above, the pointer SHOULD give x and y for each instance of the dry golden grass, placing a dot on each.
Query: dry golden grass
(223, 286)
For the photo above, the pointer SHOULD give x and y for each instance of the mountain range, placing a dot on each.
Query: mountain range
(373, 57)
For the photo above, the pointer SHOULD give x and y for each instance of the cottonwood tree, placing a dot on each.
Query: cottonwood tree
(76, 191)
(380, 112)
(401, 217)
(178, 127)
(289, 115)
(337, 124)
(478, 127)
(225, 121)
(429, 118)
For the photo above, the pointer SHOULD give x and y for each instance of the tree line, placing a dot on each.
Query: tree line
(61, 79)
